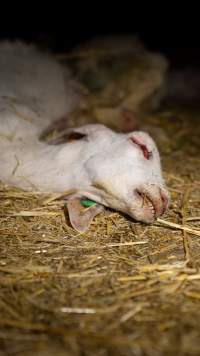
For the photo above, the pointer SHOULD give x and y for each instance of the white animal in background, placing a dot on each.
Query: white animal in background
(124, 80)
(121, 171)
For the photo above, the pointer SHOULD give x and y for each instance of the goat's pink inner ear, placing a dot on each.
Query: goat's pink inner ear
(81, 217)
(67, 137)
(146, 153)
(75, 136)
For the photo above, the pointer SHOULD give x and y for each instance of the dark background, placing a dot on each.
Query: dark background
(174, 31)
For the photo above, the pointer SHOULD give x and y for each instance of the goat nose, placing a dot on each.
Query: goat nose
(165, 199)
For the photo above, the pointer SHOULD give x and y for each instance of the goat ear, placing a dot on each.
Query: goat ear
(81, 217)
(66, 137)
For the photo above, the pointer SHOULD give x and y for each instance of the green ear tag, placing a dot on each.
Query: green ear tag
(87, 203)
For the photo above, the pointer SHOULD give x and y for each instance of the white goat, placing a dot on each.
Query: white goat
(121, 171)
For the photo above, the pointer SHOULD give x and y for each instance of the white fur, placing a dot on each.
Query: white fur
(105, 166)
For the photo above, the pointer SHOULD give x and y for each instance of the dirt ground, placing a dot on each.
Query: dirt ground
(123, 288)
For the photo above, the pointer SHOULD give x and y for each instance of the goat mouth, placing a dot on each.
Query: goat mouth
(148, 202)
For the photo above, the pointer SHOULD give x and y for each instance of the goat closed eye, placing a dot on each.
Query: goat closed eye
(146, 153)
